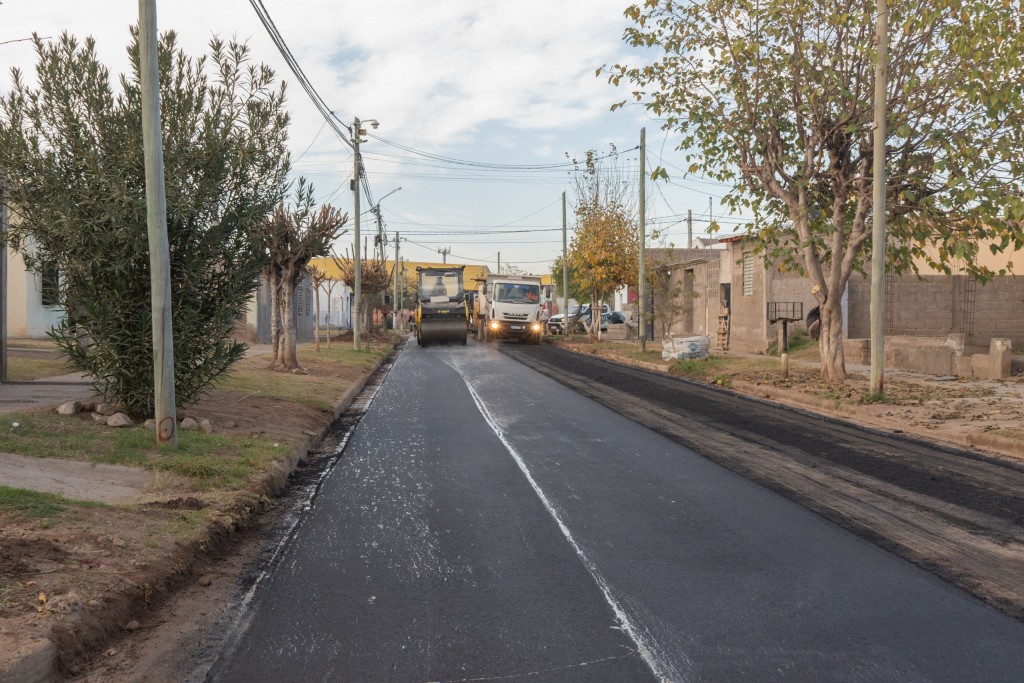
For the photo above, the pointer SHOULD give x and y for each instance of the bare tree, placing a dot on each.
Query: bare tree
(293, 235)
(375, 278)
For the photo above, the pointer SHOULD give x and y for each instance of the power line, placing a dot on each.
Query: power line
(293, 64)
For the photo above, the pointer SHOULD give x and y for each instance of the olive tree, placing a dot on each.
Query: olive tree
(71, 155)
(777, 102)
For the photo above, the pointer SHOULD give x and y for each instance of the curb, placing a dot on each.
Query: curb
(38, 661)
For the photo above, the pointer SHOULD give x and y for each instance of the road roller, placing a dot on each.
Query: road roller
(442, 312)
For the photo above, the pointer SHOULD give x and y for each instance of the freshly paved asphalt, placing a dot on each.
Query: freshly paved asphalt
(487, 523)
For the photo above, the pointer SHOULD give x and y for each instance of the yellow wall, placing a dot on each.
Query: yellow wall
(471, 274)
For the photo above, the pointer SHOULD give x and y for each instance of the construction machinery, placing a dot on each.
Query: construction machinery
(442, 313)
(508, 307)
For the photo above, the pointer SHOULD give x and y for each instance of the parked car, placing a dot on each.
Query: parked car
(556, 322)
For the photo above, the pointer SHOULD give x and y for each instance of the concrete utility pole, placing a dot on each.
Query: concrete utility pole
(358, 284)
(394, 298)
(642, 289)
(499, 263)
(878, 206)
(3, 282)
(689, 228)
(444, 254)
(565, 275)
(156, 220)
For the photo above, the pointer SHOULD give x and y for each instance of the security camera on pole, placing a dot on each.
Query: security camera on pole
(357, 134)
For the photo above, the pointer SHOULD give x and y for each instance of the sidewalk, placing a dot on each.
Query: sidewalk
(42, 393)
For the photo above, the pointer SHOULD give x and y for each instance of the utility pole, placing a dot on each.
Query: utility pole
(878, 205)
(3, 282)
(394, 298)
(444, 254)
(689, 228)
(156, 221)
(358, 291)
(499, 263)
(565, 275)
(642, 289)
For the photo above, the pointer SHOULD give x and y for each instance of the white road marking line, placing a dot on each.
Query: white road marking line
(625, 624)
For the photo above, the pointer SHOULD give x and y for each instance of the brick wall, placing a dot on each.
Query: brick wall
(932, 306)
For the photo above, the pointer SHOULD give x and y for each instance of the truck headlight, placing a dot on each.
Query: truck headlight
(535, 327)
(495, 325)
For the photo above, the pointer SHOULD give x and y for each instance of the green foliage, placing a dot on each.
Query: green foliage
(603, 254)
(780, 106)
(798, 341)
(71, 150)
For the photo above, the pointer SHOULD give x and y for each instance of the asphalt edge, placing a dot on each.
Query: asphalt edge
(42, 660)
(999, 447)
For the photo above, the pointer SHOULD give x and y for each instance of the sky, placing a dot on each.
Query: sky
(486, 81)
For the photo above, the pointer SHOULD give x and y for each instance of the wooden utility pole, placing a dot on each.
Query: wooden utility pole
(565, 275)
(358, 264)
(878, 207)
(642, 288)
(156, 221)
(3, 282)
(394, 297)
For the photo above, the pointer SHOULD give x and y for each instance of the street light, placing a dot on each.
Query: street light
(357, 134)
(382, 244)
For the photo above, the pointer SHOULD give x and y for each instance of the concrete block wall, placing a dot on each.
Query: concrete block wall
(999, 311)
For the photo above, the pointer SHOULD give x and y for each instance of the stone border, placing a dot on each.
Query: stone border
(38, 660)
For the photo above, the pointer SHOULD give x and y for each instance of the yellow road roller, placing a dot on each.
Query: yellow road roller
(442, 312)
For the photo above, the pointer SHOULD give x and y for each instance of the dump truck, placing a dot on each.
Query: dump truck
(508, 307)
(442, 313)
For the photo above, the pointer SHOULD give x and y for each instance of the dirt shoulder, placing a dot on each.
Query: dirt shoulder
(80, 569)
(983, 415)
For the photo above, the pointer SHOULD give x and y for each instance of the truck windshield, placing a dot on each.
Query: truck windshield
(440, 284)
(516, 293)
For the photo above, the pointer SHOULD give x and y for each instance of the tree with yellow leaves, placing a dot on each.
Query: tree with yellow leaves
(604, 248)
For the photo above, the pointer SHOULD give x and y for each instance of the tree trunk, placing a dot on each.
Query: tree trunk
(316, 316)
(367, 310)
(287, 357)
(830, 342)
(274, 283)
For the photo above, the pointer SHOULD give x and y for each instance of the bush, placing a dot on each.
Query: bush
(73, 158)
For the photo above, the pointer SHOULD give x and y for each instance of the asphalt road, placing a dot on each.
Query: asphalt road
(488, 523)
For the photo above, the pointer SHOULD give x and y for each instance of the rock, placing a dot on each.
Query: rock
(299, 371)
(150, 424)
(105, 409)
(230, 424)
(206, 426)
(69, 408)
(132, 626)
(189, 424)
(118, 542)
(205, 580)
(119, 420)
(99, 418)
(94, 604)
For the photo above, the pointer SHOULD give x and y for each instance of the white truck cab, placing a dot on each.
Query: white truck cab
(509, 308)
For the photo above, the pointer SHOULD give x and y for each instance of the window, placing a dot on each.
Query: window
(748, 274)
(50, 277)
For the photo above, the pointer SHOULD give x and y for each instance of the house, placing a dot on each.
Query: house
(934, 323)
(32, 308)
